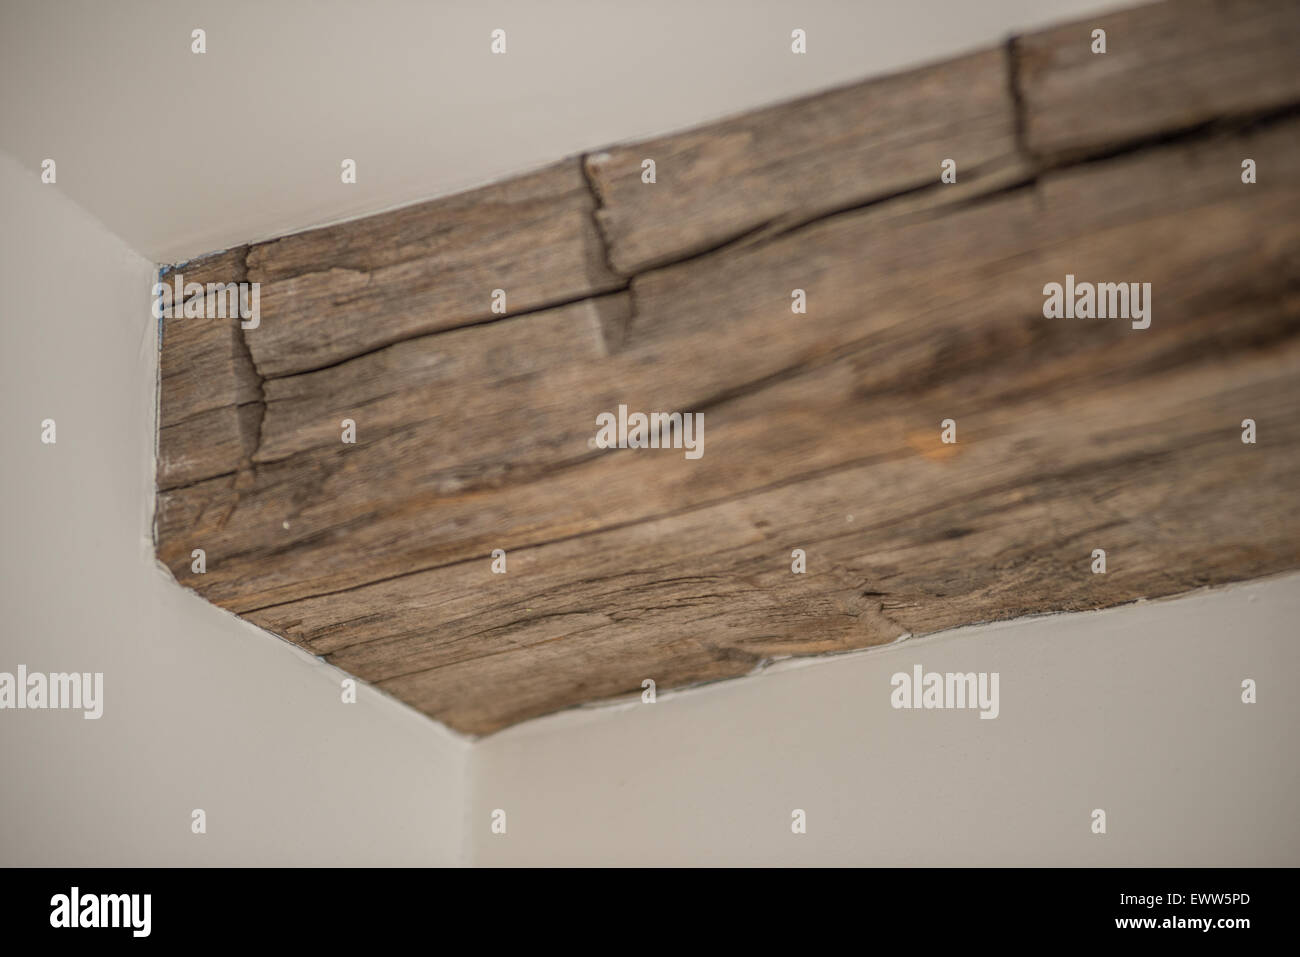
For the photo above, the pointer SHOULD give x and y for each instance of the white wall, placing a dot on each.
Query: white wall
(184, 154)
(1135, 710)
(201, 710)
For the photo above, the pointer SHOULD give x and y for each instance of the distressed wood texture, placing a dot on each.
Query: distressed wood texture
(821, 430)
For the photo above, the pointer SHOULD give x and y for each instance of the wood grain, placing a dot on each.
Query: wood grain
(821, 430)
(210, 396)
(425, 268)
(1167, 67)
(789, 164)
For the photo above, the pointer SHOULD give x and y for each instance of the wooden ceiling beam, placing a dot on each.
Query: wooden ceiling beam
(822, 430)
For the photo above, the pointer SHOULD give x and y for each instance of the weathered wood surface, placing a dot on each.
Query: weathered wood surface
(1167, 67)
(334, 293)
(821, 430)
(426, 268)
(786, 165)
(210, 397)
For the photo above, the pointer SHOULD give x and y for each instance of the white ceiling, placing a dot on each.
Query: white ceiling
(181, 154)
